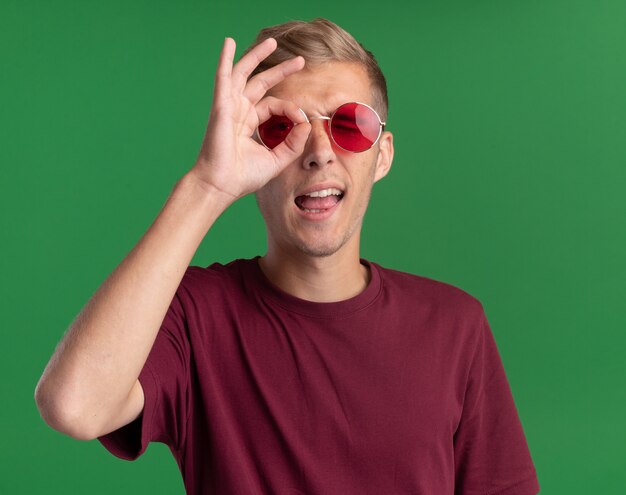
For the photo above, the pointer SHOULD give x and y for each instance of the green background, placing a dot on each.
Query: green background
(510, 123)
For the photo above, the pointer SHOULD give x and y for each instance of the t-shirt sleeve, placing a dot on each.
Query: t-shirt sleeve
(164, 380)
(490, 450)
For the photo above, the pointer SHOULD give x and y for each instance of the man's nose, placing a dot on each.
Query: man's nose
(319, 150)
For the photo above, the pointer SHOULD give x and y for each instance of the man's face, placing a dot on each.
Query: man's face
(316, 226)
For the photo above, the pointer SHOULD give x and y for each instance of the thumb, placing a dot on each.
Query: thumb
(293, 146)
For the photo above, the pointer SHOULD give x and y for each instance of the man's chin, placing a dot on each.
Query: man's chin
(319, 248)
(318, 251)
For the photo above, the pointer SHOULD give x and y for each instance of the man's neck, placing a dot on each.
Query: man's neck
(320, 279)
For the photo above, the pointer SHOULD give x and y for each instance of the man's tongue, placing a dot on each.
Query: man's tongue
(309, 203)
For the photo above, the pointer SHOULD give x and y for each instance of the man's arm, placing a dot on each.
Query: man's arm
(90, 386)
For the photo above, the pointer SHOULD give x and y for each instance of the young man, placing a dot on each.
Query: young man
(307, 370)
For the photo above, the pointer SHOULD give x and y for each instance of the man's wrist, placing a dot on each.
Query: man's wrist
(196, 201)
(198, 189)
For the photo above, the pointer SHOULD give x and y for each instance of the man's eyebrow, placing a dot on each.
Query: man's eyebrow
(336, 103)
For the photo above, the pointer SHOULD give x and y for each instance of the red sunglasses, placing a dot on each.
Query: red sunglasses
(354, 127)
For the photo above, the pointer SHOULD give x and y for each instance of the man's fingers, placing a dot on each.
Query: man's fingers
(249, 62)
(274, 106)
(224, 69)
(293, 145)
(225, 64)
(287, 151)
(261, 83)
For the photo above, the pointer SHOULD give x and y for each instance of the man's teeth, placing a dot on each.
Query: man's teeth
(325, 192)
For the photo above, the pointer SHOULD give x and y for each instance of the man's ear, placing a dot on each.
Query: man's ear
(385, 155)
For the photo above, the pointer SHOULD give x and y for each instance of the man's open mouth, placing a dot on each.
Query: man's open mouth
(319, 201)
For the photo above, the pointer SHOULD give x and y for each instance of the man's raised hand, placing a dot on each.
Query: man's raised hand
(230, 160)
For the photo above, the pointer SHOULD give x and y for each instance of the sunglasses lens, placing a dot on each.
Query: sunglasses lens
(355, 127)
(273, 131)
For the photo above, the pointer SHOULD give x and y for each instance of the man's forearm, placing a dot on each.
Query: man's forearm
(99, 359)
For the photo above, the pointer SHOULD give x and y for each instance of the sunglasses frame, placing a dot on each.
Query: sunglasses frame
(381, 126)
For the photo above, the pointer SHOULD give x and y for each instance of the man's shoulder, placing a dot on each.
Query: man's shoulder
(219, 269)
(217, 275)
(420, 288)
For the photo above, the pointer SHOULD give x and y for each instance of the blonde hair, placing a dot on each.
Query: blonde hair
(320, 41)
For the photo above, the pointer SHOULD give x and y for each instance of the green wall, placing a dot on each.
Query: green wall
(510, 123)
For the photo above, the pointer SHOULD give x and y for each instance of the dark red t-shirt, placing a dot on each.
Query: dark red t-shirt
(399, 390)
